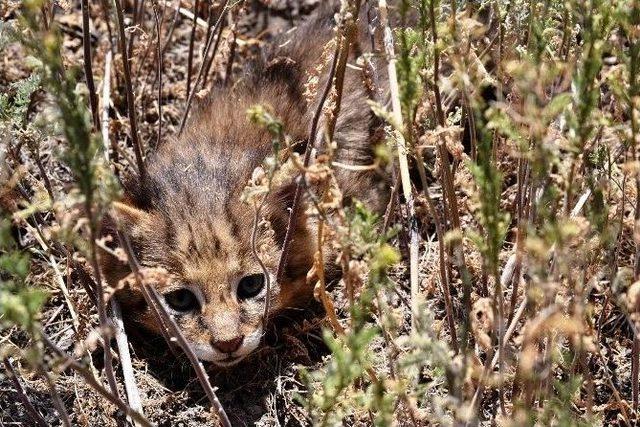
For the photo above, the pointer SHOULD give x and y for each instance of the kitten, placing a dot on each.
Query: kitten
(186, 215)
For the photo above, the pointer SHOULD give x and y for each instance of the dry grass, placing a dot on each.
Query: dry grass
(515, 301)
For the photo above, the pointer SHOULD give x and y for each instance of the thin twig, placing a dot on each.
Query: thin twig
(324, 296)
(232, 50)
(442, 263)
(131, 109)
(348, 38)
(130, 386)
(496, 356)
(159, 54)
(93, 382)
(403, 161)
(101, 305)
(293, 213)
(43, 174)
(106, 101)
(449, 196)
(28, 406)
(133, 264)
(88, 66)
(216, 45)
(192, 39)
(197, 365)
(55, 397)
(201, 70)
(254, 250)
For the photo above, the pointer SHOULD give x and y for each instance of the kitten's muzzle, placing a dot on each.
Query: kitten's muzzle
(228, 346)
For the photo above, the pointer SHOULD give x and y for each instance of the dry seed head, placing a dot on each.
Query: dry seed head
(633, 298)
(482, 322)
(631, 168)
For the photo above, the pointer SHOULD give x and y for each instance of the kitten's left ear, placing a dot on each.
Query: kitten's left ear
(127, 217)
(131, 221)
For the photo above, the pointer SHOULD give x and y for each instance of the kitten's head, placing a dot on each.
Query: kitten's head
(187, 218)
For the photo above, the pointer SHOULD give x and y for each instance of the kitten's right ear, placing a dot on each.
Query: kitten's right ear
(128, 217)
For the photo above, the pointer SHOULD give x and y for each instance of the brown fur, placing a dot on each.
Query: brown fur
(186, 215)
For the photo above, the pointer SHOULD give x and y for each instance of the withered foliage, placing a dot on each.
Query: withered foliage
(501, 286)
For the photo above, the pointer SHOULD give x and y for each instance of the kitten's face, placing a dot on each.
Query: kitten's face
(215, 287)
(220, 307)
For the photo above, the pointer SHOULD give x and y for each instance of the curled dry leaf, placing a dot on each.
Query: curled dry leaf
(450, 136)
(633, 298)
(482, 322)
(148, 276)
(92, 342)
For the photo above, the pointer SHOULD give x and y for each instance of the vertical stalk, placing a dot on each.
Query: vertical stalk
(191, 44)
(403, 161)
(131, 109)
(634, 85)
(88, 67)
(446, 173)
(159, 71)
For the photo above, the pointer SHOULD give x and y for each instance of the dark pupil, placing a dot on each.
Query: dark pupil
(250, 286)
(181, 300)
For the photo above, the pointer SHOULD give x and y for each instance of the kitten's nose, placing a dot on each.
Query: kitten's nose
(228, 346)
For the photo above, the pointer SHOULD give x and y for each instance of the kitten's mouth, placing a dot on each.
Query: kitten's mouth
(228, 361)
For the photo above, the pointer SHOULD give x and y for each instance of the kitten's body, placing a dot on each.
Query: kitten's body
(186, 216)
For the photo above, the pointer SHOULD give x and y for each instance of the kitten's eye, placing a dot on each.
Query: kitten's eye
(250, 286)
(182, 300)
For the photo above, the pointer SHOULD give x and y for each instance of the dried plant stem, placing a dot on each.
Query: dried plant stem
(88, 66)
(101, 305)
(130, 386)
(104, 5)
(138, 7)
(131, 109)
(133, 263)
(216, 45)
(192, 39)
(174, 21)
(55, 397)
(65, 291)
(200, 372)
(232, 49)
(293, 214)
(131, 389)
(444, 278)
(142, 59)
(634, 85)
(446, 177)
(24, 399)
(159, 55)
(522, 215)
(254, 250)
(489, 366)
(43, 174)
(201, 70)
(94, 383)
(324, 296)
(348, 38)
(106, 101)
(403, 162)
